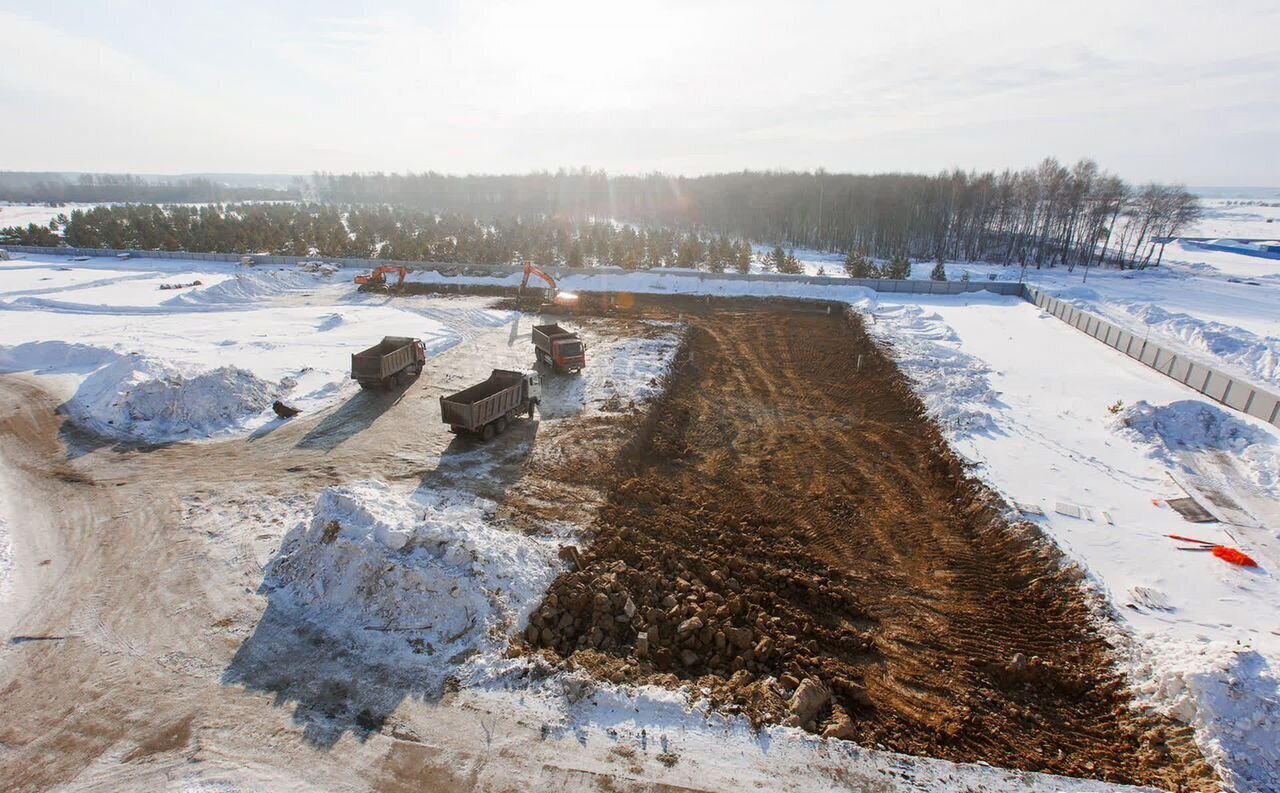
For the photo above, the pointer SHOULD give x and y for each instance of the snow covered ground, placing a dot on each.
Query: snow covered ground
(1213, 306)
(139, 361)
(1063, 425)
(1200, 303)
(12, 214)
(1250, 217)
(1054, 419)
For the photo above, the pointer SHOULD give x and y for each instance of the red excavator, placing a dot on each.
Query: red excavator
(379, 276)
(565, 299)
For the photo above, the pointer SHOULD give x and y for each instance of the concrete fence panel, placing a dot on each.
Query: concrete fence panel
(1197, 375)
(1217, 386)
(1265, 406)
(1150, 354)
(1239, 397)
(1231, 392)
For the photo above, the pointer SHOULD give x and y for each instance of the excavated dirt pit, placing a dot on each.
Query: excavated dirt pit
(788, 520)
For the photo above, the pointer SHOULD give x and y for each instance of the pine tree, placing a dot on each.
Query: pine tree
(857, 265)
(790, 264)
(743, 259)
(573, 259)
(899, 268)
(939, 272)
(714, 263)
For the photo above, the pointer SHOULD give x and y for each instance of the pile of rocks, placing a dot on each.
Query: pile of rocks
(742, 627)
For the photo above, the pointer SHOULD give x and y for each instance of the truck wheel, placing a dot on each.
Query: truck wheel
(365, 385)
(487, 433)
(502, 425)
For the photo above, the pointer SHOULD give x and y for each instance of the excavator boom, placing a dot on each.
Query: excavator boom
(379, 276)
(559, 298)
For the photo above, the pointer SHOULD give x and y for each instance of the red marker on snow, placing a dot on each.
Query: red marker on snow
(1226, 554)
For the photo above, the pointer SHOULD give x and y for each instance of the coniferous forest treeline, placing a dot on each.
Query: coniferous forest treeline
(1049, 215)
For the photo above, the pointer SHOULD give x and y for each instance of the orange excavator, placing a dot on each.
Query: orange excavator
(379, 276)
(565, 299)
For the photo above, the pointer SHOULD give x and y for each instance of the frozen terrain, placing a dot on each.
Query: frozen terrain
(1214, 306)
(373, 563)
(1053, 420)
(1086, 443)
(12, 214)
(137, 361)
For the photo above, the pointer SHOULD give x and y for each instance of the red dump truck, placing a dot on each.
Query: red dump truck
(389, 363)
(559, 348)
(485, 409)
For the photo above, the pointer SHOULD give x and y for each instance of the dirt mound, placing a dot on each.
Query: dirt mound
(790, 531)
(682, 595)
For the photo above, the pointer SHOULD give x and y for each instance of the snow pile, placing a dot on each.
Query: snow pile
(952, 384)
(321, 268)
(136, 397)
(1192, 426)
(427, 578)
(330, 321)
(251, 287)
(1257, 356)
(1229, 695)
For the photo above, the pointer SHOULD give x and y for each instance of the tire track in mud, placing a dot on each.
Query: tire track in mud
(795, 515)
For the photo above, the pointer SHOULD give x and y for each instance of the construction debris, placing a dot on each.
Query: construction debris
(284, 411)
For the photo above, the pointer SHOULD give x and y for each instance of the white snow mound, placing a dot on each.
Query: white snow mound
(953, 384)
(429, 578)
(136, 397)
(1193, 426)
(1228, 694)
(250, 287)
(141, 398)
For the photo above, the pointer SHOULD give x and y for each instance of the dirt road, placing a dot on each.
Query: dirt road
(793, 514)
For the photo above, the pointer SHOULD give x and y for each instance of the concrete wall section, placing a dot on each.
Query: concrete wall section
(1232, 392)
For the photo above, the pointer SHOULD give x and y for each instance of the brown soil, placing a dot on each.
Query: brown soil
(784, 515)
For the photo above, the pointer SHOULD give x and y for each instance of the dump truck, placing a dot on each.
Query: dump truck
(389, 363)
(485, 409)
(559, 348)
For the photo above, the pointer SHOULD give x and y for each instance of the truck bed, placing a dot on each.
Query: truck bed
(551, 331)
(386, 357)
(473, 407)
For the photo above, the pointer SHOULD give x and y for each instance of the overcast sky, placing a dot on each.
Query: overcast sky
(1164, 90)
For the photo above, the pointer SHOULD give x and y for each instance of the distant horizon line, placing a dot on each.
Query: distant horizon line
(579, 169)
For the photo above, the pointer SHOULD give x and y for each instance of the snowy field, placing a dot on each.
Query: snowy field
(138, 361)
(1099, 443)
(1090, 438)
(40, 214)
(1215, 307)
